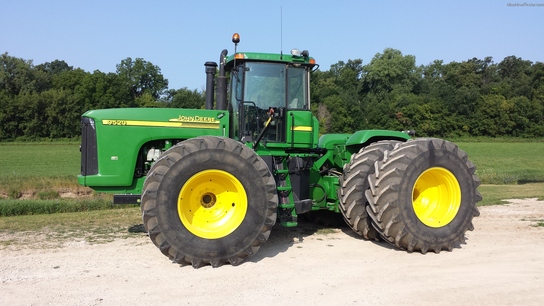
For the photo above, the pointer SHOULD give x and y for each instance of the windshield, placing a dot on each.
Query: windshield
(265, 85)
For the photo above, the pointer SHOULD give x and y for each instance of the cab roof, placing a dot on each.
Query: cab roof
(270, 57)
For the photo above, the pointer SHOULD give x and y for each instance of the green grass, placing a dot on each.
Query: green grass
(495, 139)
(495, 194)
(51, 164)
(506, 163)
(57, 230)
(38, 167)
(9, 207)
(51, 159)
(71, 219)
(42, 170)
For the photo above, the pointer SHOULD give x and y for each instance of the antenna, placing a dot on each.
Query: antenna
(281, 32)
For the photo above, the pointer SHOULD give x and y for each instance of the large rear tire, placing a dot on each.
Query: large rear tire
(423, 195)
(354, 183)
(209, 200)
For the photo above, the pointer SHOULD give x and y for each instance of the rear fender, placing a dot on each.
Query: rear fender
(363, 138)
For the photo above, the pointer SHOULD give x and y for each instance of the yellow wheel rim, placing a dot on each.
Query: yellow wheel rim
(436, 197)
(212, 204)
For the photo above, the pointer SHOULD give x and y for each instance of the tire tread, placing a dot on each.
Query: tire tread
(382, 196)
(149, 204)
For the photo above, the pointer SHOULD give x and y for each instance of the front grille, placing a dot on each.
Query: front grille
(89, 152)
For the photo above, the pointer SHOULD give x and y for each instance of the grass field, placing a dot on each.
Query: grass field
(23, 160)
(38, 166)
(506, 169)
(496, 162)
(507, 163)
(495, 194)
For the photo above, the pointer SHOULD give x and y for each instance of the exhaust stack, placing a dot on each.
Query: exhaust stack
(222, 82)
(211, 67)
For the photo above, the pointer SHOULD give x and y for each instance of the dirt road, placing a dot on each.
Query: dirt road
(501, 264)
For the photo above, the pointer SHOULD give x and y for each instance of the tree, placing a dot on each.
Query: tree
(55, 67)
(336, 92)
(15, 75)
(141, 76)
(387, 77)
(493, 117)
(100, 90)
(63, 113)
(324, 117)
(390, 71)
(185, 98)
(474, 97)
(32, 109)
(9, 117)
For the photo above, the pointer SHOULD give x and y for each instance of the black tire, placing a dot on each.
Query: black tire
(423, 195)
(354, 183)
(209, 200)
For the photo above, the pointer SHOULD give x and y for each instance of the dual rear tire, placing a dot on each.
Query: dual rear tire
(418, 195)
(354, 183)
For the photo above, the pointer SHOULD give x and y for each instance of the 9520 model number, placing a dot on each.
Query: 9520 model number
(115, 122)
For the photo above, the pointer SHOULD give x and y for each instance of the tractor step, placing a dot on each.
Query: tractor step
(123, 199)
(303, 206)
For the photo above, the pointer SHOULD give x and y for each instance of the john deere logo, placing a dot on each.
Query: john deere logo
(195, 119)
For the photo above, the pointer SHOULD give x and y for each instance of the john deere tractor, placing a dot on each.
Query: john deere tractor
(212, 182)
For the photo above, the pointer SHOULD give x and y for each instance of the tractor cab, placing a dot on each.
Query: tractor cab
(261, 95)
(269, 97)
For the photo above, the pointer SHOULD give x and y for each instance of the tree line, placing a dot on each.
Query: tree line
(47, 100)
(469, 98)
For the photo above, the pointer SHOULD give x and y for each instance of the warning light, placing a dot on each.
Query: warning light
(235, 38)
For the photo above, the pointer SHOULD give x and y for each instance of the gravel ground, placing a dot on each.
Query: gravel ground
(501, 264)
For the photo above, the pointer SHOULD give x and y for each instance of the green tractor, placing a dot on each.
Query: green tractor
(212, 182)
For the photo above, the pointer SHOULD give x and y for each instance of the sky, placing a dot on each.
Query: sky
(180, 36)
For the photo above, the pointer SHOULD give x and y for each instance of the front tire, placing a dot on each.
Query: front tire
(423, 195)
(209, 200)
